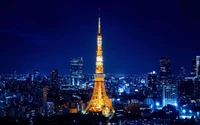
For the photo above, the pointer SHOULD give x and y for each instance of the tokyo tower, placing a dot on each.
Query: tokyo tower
(99, 102)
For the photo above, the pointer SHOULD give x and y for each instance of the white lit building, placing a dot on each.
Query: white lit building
(76, 71)
(169, 95)
(50, 108)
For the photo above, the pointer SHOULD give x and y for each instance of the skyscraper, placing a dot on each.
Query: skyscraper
(165, 70)
(194, 80)
(99, 103)
(152, 80)
(195, 70)
(36, 73)
(182, 71)
(54, 77)
(76, 71)
(170, 95)
(197, 66)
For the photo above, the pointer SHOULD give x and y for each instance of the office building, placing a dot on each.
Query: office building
(169, 95)
(165, 70)
(195, 70)
(152, 80)
(76, 71)
(36, 74)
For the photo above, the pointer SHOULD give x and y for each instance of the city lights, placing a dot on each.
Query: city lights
(175, 104)
(157, 104)
(56, 70)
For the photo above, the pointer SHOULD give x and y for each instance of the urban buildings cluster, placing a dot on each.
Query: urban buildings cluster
(146, 95)
(151, 98)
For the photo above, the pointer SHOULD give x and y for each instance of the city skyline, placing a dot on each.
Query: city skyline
(133, 38)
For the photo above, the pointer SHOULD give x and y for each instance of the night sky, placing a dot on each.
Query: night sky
(44, 34)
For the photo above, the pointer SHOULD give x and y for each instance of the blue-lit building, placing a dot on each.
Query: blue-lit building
(144, 122)
(76, 71)
(195, 71)
(50, 109)
(169, 95)
(165, 70)
(152, 77)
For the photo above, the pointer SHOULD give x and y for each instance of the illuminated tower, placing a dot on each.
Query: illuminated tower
(99, 103)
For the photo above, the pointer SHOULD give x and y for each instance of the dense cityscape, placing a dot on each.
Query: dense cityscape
(151, 95)
(77, 98)
(149, 98)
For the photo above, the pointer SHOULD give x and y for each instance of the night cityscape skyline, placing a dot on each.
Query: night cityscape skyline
(141, 68)
(136, 36)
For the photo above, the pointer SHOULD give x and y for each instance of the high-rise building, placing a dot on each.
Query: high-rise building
(76, 71)
(165, 70)
(50, 109)
(99, 103)
(36, 74)
(194, 79)
(181, 76)
(197, 88)
(195, 71)
(170, 95)
(197, 66)
(152, 80)
(182, 71)
(54, 77)
(190, 88)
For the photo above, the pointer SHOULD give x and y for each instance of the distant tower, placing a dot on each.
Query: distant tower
(197, 66)
(15, 74)
(187, 88)
(165, 70)
(182, 75)
(191, 85)
(54, 77)
(35, 75)
(152, 80)
(197, 78)
(99, 103)
(195, 71)
(76, 71)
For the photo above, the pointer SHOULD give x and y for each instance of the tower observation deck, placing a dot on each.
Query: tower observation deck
(99, 101)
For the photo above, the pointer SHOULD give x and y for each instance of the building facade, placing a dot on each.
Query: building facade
(169, 95)
(165, 70)
(76, 71)
(152, 77)
(54, 77)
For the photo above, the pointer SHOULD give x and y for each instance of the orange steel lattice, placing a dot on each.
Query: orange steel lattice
(99, 101)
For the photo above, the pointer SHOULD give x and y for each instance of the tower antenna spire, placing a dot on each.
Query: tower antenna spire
(99, 23)
(99, 12)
